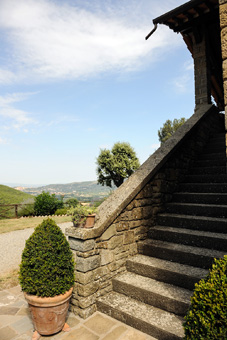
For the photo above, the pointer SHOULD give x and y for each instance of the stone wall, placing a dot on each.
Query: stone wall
(223, 24)
(201, 72)
(126, 216)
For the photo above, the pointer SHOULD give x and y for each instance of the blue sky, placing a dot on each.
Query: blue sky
(77, 76)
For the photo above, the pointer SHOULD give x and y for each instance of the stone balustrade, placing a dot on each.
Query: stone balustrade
(125, 217)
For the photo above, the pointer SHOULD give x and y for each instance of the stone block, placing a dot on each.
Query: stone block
(87, 264)
(115, 242)
(123, 255)
(102, 245)
(88, 253)
(84, 313)
(92, 275)
(224, 42)
(105, 290)
(133, 249)
(88, 289)
(223, 15)
(85, 302)
(136, 224)
(136, 214)
(128, 237)
(81, 245)
(141, 230)
(84, 278)
(121, 226)
(110, 232)
(224, 68)
(116, 265)
(107, 256)
(225, 91)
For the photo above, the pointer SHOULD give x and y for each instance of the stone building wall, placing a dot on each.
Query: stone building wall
(201, 72)
(223, 24)
(126, 216)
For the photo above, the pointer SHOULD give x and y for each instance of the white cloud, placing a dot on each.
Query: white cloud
(62, 120)
(181, 83)
(14, 117)
(52, 40)
(3, 141)
(189, 65)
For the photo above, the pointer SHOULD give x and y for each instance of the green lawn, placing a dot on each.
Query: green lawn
(29, 222)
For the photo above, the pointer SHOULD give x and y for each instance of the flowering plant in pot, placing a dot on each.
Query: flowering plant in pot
(83, 216)
(47, 277)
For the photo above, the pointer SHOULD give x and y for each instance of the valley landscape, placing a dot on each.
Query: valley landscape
(83, 191)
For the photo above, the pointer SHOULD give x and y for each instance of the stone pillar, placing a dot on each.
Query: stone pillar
(223, 24)
(201, 73)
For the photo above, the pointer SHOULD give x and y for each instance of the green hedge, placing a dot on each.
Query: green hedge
(207, 316)
(47, 267)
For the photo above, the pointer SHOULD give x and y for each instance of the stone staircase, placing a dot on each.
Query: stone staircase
(154, 294)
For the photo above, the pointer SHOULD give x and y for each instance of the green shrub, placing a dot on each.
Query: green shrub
(27, 209)
(47, 266)
(62, 211)
(46, 204)
(207, 316)
(80, 212)
(72, 202)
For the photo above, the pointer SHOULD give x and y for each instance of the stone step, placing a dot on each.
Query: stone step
(192, 256)
(148, 319)
(159, 294)
(209, 162)
(196, 209)
(203, 187)
(206, 178)
(212, 224)
(203, 198)
(170, 272)
(189, 237)
(209, 170)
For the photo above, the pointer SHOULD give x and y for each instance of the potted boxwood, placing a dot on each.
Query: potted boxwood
(83, 216)
(47, 277)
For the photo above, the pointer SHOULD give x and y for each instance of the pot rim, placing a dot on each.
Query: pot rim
(48, 301)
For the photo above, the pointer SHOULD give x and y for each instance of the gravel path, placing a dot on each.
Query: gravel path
(12, 245)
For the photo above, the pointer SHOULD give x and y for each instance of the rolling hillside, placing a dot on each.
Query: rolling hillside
(89, 190)
(12, 196)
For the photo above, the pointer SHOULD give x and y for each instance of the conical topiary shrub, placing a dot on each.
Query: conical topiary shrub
(207, 316)
(47, 277)
(47, 267)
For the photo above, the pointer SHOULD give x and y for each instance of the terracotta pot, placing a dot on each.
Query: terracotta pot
(88, 222)
(49, 313)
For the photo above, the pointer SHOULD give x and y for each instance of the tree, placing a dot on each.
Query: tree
(117, 164)
(46, 204)
(169, 128)
(72, 202)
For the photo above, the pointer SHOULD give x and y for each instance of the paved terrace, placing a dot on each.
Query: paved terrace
(16, 324)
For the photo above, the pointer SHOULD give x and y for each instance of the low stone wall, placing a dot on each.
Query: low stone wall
(126, 216)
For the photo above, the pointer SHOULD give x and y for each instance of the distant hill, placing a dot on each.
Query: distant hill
(88, 190)
(12, 196)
